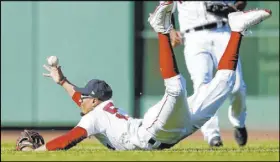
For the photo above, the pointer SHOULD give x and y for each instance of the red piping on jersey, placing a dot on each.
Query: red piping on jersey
(67, 140)
(158, 113)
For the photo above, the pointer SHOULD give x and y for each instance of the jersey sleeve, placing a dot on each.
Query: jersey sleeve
(89, 123)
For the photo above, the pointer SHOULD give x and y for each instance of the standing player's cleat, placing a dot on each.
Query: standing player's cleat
(241, 136)
(242, 20)
(160, 20)
(216, 142)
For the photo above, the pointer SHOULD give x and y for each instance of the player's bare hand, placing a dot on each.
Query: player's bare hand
(55, 73)
(176, 38)
(27, 149)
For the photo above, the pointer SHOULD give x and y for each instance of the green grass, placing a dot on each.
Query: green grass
(185, 150)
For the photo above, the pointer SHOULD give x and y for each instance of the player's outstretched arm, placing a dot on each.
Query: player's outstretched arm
(63, 142)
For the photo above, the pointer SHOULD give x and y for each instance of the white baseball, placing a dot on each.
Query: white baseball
(52, 60)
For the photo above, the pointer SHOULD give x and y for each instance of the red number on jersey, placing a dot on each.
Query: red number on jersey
(112, 110)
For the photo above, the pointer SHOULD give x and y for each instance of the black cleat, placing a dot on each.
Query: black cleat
(216, 142)
(241, 136)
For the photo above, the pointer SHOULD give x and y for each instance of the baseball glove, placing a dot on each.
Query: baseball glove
(29, 138)
(219, 8)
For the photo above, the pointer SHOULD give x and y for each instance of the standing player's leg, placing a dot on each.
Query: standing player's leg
(200, 67)
(237, 108)
(200, 64)
(210, 96)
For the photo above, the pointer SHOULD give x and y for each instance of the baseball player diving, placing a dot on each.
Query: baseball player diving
(205, 31)
(172, 119)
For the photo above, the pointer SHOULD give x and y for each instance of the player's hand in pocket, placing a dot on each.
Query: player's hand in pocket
(55, 73)
(176, 38)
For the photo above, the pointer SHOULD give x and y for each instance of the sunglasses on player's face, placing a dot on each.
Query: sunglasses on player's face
(83, 96)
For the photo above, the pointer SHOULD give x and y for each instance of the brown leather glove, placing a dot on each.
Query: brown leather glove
(29, 138)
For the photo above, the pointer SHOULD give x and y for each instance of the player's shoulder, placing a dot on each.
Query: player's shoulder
(96, 111)
(99, 110)
(105, 104)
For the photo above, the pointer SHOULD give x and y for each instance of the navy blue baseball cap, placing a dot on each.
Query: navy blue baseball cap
(97, 89)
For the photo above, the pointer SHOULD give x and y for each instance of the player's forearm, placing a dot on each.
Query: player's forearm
(69, 87)
(63, 142)
(67, 140)
(240, 5)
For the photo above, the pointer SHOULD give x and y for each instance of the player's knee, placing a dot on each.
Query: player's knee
(175, 90)
(226, 77)
(175, 86)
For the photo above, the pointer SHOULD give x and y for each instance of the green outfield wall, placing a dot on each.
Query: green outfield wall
(92, 40)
